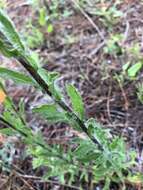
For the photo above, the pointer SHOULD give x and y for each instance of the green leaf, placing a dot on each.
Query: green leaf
(37, 162)
(133, 70)
(48, 77)
(51, 113)
(28, 56)
(34, 38)
(135, 178)
(50, 28)
(107, 184)
(76, 101)
(126, 66)
(8, 131)
(86, 151)
(42, 16)
(10, 42)
(3, 3)
(16, 76)
(35, 57)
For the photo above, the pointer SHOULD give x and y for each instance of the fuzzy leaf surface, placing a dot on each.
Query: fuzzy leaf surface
(51, 113)
(76, 101)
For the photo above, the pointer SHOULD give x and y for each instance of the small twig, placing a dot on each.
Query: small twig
(96, 50)
(125, 97)
(40, 180)
(89, 19)
(126, 32)
(108, 102)
(24, 181)
(7, 182)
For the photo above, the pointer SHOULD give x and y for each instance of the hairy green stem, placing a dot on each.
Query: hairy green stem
(61, 103)
(25, 135)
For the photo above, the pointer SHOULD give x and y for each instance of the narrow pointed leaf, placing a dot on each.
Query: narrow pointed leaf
(51, 113)
(133, 70)
(50, 78)
(8, 131)
(16, 76)
(76, 101)
(10, 42)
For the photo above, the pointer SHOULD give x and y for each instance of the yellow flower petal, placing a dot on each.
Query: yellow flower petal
(2, 96)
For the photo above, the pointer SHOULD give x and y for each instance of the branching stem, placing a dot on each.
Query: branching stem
(61, 103)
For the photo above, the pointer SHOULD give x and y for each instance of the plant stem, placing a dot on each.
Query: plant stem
(61, 103)
(23, 134)
(7, 124)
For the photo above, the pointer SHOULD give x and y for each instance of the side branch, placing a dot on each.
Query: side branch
(61, 103)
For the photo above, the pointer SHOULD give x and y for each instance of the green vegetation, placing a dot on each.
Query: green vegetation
(109, 16)
(45, 15)
(97, 152)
